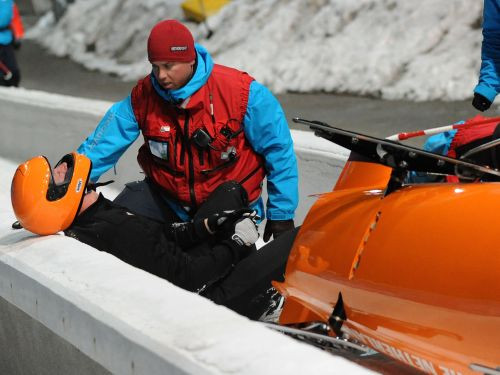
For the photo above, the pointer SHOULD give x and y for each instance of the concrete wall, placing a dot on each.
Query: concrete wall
(29, 347)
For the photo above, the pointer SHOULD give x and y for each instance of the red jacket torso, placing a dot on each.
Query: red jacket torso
(178, 161)
(16, 24)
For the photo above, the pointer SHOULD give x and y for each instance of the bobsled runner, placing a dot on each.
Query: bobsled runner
(409, 271)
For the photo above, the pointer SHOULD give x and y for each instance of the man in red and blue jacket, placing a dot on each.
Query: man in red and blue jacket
(203, 124)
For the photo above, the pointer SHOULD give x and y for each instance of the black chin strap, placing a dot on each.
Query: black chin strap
(92, 186)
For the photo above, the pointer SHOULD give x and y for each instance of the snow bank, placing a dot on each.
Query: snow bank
(416, 50)
(129, 321)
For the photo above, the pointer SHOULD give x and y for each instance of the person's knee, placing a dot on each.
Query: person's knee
(132, 190)
(233, 188)
(137, 197)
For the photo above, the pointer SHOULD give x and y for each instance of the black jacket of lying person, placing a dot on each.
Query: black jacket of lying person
(213, 255)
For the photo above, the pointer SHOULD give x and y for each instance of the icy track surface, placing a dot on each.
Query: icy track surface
(394, 49)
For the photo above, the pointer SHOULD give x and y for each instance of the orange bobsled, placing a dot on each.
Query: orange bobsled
(408, 270)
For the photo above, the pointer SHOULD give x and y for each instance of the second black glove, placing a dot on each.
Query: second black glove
(480, 102)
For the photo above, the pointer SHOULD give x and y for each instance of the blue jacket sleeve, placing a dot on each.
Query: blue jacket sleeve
(439, 144)
(117, 130)
(267, 131)
(489, 80)
(6, 15)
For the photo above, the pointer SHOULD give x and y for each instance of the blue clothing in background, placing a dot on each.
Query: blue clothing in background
(439, 144)
(489, 77)
(6, 14)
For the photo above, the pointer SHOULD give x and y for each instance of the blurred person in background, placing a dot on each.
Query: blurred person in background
(458, 143)
(203, 124)
(11, 33)
(489, 76)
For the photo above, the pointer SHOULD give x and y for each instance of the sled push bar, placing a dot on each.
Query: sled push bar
(400, 157)
(441, 129)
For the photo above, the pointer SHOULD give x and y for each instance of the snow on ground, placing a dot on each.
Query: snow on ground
(416, 50)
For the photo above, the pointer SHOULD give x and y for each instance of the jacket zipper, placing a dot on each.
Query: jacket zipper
(221, 166)
(250, 174)
(190, 160)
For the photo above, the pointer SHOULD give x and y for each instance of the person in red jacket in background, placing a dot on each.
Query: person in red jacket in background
(11, 33)
(459, 143)
(17, 28)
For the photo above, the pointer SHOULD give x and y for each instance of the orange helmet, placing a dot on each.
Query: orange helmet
(42, 206)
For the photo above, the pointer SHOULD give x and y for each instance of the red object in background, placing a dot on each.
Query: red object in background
(17, 24)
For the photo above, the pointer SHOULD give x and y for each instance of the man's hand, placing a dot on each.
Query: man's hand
(245, 232)
(480, 102)
(222, 222)
(243, 238)
(277, 228)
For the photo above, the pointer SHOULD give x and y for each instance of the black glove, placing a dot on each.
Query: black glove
(222, 222)
(276, 228)
(16, 43)
(480, 102)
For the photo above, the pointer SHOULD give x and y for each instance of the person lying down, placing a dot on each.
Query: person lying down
(213, 255)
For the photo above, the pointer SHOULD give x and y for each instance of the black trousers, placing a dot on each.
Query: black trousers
(8, 58)
(246, 288)
(147, 199)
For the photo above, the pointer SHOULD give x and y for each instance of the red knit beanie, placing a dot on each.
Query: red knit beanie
(170, 40)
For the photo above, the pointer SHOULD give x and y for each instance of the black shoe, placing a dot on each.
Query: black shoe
(17, 225)
(275, 307)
